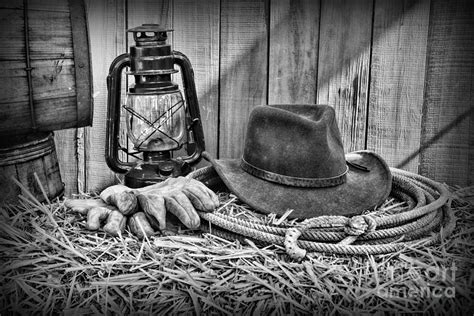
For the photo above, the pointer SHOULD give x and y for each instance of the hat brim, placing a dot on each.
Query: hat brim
(362, 190)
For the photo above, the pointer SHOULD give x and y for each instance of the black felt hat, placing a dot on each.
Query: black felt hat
(294, 159)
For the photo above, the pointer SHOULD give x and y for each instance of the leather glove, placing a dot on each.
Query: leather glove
(98, 212)
(180, 196)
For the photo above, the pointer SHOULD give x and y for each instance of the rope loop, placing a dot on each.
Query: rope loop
(359, 225)
(355, 226)
(428, 211)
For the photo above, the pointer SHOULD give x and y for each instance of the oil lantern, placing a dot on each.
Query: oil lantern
(159, 121)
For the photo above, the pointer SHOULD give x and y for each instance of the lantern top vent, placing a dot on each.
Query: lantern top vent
(149, 34)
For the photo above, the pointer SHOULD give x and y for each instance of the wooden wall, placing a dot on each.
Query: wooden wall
(399, 74)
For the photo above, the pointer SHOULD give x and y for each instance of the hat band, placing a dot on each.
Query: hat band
(293, 181)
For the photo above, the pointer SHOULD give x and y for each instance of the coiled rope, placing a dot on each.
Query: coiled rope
(427, 219)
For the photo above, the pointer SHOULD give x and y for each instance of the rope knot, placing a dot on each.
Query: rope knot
(359, 225)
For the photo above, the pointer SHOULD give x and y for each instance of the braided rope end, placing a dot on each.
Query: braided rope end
(292, 248)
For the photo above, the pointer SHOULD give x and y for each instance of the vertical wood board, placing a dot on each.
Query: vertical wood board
(196, 34)
(293, 48)
(448, 111)
(344, 66)
(66, 151)
(64, 140)
(107, 20)
(243, 70)
(397, 81)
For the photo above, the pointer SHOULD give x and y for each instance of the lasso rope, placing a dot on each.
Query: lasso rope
(428, 219)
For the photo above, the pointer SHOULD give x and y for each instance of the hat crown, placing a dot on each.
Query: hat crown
(298, 145)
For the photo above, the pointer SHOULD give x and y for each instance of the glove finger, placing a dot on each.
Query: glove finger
(115, 224)
(121, 197)
(153, 187)
(200, 199)
(154, 208)
(140, 226)
(126, 202)
(180, 206)
(82, 206)
(95, 216)
(212, 195)
(107, 193)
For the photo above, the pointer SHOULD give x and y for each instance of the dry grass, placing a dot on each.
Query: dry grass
(50, 264)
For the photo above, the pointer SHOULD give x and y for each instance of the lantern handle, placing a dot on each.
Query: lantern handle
(194, 155)
(113, 114)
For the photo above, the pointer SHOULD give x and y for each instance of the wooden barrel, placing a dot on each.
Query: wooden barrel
(45, 63)
(23, 156)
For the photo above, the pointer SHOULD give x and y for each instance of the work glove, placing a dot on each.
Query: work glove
(146, 208)
(179, 196)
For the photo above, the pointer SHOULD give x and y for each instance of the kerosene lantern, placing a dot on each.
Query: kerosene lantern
(158, 120)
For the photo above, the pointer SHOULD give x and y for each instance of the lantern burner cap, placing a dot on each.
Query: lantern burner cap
(149, 34)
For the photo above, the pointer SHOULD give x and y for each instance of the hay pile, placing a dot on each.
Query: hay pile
(51, 264)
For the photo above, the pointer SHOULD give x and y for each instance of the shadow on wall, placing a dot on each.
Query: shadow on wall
(430, 142)
(249, 63)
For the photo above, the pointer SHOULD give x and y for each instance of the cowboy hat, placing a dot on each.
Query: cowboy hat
(294, 159)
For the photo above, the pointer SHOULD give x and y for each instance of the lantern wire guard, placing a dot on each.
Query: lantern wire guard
(427, 220)
(157, 124)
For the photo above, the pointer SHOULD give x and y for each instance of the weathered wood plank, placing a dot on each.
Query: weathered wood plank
(54, 95)
(447, 142)
(243, 74)
(344, 65)
(49, 35)
(13, 78)
(53, 184)
(54, 78)
(66, 151)
(50, 79)
(397, 80)
(11, 4)
(49, 5)
(196, 34)
(107, 20)
(15, 117)
(26, 176)
(12, 36)
(294, 33)
(8, 190)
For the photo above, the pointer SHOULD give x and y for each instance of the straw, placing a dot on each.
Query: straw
(50, 264)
